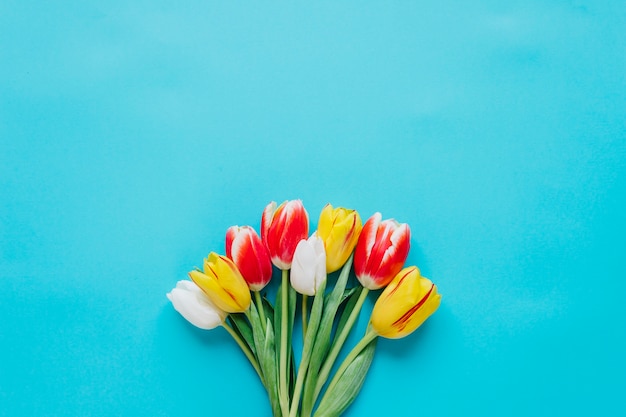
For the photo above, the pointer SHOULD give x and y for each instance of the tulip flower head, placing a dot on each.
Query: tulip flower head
(222, 282)
(339, 228)
(282, 228)
(245, 248)
(405, 304)
(381, 251)
(308, 269)
(191, 302)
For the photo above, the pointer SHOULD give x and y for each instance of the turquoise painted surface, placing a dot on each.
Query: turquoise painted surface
(133, 135)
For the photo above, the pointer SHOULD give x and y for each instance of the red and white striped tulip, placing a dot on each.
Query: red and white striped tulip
(381, 251)
(247, 251)
(282, 228)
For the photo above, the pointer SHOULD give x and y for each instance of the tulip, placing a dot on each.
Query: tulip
(282, 228)
(405, 304)
(189, 300)
(222, 282)
(245, 248)
(381, 251)
(308, 269)
(339, 228)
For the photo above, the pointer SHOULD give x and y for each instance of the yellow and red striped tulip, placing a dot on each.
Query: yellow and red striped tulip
(405, 304)
(282, 228)
(245, 248)
(222, 282)
(339, 228)
(381, 251)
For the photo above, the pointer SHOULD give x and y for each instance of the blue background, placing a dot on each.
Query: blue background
(133, 134)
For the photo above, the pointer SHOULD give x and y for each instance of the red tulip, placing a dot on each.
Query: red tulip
(282, 228)
(245, 248)
(381, 251)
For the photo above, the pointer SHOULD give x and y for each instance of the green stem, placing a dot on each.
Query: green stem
(369, 336)
(259, 307)
(338, 344)
(245, 348)
(307, 348)
(284, 389)
(305, 298)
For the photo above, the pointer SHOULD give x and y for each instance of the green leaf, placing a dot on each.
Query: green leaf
(240, 324)
(291, 363)
(266, 355)
(352, 300)
(278, 310)
(271, 368)
(268, 309)
(343, 393)
(322, 339)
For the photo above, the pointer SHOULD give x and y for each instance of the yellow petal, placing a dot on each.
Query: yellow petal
(404, 304)
(339, 228)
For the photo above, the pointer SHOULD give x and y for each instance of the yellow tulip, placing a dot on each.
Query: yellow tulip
(339, 228)
(223, 284)
(405, 304)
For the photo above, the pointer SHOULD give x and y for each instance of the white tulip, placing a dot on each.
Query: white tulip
(308, 269)
(191, 302)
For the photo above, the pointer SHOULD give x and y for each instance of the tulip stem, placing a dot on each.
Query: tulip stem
(244, 348)
(305, 299)
(307, 348)
(284, 391)
(369, 336)
(260, 308)
(339, 341)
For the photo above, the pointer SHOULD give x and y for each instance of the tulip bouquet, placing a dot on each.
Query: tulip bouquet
(227, 292)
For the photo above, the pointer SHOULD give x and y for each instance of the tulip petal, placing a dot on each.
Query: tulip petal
(282, 231)
(266, 219)
(189, 300)
(249, 254)
(381, 251)
(308, 269)
(302, 275)
(405, 304)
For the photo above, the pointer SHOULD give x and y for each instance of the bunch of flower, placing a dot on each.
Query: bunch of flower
(227, 293)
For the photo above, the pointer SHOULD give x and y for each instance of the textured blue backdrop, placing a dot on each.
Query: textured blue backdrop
(133, 134)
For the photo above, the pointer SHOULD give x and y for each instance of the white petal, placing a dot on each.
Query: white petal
(303, 268)
(189, 300)
(320, 261)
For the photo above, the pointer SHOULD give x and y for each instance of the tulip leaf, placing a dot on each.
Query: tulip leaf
(352, 300)
(242, 327)
(268, 309)
(346, 294)
(322, 339)
(271, 375)
(278, 316)
(264, 341)
(278, 310)
(291, 366)
(347, 387)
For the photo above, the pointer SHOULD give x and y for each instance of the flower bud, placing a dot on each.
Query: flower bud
(248, 252)
(405, 304)
(189, 300)
(222, 282)
(339, 228)
(381, 251)
(308, 269)
(282, 228)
